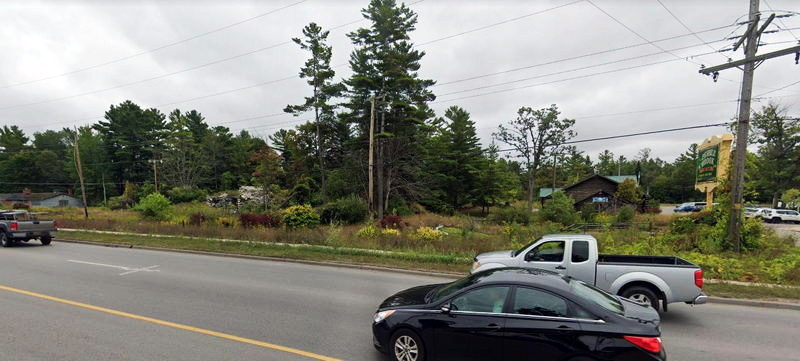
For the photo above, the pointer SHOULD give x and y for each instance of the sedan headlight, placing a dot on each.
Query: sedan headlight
(380, 316)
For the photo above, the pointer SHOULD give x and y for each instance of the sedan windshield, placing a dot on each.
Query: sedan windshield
(597, 296)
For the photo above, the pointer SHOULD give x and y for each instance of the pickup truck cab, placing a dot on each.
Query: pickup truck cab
(651, 280)
(22, 226)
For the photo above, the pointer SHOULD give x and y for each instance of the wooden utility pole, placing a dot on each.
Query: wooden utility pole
(371, 191)
(77, 150)
(750, 41)
(155, 171)
(105, 200)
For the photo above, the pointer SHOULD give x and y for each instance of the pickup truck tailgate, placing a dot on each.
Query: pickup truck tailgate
(35, 226)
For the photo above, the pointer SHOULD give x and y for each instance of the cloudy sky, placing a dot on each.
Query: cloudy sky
(64, 62)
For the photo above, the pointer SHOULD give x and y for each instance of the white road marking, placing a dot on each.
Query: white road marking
(128, 270)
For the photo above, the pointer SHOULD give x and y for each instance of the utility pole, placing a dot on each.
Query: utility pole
(105, 200)
(371, 191)
(750, 41)
(155, 162)
(77, 151)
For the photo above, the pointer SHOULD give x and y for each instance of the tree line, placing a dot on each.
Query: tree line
(419, 157)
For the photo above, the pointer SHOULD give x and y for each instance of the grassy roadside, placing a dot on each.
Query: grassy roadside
(777, 293)
(402, 260)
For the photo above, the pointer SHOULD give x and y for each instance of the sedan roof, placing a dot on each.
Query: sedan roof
(530, 276)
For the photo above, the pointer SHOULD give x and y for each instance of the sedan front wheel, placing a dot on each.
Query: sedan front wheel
(406, 346)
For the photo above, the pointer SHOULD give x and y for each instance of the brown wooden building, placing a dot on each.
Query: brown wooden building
(596, 189)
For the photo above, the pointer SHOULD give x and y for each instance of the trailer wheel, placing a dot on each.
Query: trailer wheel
(46, 240)
(5, 241)
(642, 295)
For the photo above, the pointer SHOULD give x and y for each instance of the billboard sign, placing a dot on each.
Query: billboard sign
(707, 164)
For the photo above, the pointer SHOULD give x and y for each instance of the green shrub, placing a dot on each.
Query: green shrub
(300, 217)
(511, 215)
(155, 206)
(682, 224)
(559, 209)
(186, 194)
(399, 207)
(348, 210)
(120, 202)
(588, 212)
(625, 214)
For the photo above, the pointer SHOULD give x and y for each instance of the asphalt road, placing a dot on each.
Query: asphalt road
(317, 309)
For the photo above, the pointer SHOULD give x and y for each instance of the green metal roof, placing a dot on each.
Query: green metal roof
(545, 192)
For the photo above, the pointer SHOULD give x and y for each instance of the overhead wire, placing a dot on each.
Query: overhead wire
(152, 50)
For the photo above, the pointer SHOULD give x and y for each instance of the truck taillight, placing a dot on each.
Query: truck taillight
(698, 278)
(14, 226)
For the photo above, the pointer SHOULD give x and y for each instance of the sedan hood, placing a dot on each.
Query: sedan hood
(409, 297)
(495, 254)
(641, 313)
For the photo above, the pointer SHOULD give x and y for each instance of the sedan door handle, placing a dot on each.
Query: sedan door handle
(561, 267)
(493, 326)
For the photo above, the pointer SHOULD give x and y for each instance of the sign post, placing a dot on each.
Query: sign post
(713, 158)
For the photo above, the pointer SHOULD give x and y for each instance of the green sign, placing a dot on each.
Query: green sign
(707, 161)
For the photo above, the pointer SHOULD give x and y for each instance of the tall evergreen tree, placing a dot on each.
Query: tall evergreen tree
(132, 137)
(319, 74)
(385, 65)
(778, 138)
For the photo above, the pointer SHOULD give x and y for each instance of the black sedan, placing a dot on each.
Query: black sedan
(511, 314)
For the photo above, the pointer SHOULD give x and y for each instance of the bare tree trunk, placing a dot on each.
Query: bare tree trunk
(531, 185)
(775, 198)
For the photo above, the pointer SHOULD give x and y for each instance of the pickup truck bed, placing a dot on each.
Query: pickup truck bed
(643, 260)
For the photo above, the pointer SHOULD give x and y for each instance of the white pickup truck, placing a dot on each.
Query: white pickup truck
(651, 280)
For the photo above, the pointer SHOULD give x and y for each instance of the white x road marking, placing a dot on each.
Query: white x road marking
(128, 270)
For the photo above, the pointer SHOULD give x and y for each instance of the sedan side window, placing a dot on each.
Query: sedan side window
(533, 302)
(486, 299)
(552, 251)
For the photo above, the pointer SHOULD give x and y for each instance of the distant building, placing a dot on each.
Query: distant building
(596, 189)
(49, 199)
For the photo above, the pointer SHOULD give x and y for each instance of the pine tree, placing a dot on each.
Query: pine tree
(317, 70)
(385, 65)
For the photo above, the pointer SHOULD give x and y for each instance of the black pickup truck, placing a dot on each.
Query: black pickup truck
(22, 226)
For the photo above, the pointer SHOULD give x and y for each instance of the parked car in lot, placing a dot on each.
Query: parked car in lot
(690, 207)
(21, 226)
(750, 212)
(515, 314)
(780, 215)
(647, 279)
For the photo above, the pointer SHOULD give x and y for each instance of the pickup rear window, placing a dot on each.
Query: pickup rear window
(598, 296)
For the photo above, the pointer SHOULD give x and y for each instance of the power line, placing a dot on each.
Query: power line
(161, 47)
(499, 23)
(631, 135)
(556, 81)
(686, 26)
(570, 70)
(577, 57)
(780, 20)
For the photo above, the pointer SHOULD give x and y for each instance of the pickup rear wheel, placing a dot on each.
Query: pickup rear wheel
(642, 295)
(5, 241)
(46, 240)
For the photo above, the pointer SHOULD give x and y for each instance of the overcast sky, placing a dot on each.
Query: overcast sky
(43, 40)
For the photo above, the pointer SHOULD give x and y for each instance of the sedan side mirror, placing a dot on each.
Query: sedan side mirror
(446, 308)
